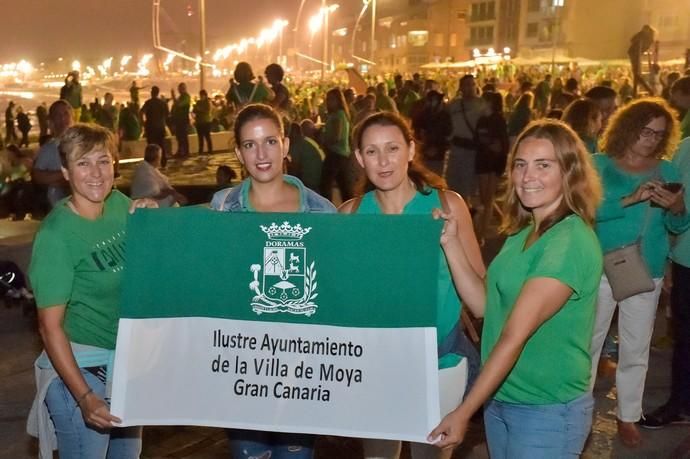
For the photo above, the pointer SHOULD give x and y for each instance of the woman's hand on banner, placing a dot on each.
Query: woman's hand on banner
(96, 413)
(450, 225)
(451, 431)
(143, 203)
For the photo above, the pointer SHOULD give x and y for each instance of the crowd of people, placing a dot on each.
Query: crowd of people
(581, 175)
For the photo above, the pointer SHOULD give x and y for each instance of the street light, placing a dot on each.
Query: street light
(278, 26)
(557, 5)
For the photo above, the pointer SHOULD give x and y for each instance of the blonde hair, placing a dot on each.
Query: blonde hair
(81, 139)
(581, 185)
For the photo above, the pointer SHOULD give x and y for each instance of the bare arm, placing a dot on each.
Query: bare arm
(48, 178)
(93, 408)
(462, 253)
(539, 299)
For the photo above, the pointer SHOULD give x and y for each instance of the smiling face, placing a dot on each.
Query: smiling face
(650, 137)
(537, 177)
(91, 178)
(262, 149)
(385, 156)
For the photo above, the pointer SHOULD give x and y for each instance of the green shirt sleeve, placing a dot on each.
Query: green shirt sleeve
(564, 255)
(51, 271)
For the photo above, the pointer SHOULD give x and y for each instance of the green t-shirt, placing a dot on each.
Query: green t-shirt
(129, 123)
(242, 94)
(202, 111)
(307, 157)
(78, 263)
(181, 107)
(339, 144)
(555, 364)
(448, 304)
(685, 126)
(617, 226)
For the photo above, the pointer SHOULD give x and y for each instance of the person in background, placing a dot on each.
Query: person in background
(605, 98)
(676, 410)
(47, 169)
(305, 158)
(224, 176)
(71, 92)
(243, 90)
(180, 119)
(432, 127)
(42, 116)
(281, 95)
(680, 99)
(129, 128)
(492, 135)
(202, 121)
(154, 114)
(584, 116)
(521, 116)
(10, 132)
(465, 112)
(384, 103)
(337, 166)
(637, 206)
(24, 125)
(149, 182)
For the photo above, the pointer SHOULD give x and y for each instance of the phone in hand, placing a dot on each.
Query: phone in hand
(673, 187)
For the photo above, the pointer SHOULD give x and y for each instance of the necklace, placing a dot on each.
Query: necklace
(73, 208)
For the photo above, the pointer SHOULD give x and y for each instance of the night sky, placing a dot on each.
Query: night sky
(94, 29)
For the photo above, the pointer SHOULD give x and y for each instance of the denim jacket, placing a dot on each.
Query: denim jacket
(236, 199)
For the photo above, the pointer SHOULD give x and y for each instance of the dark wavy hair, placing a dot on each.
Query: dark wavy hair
(424, 180)
(581, 185)
(253, 112)
(625, 126)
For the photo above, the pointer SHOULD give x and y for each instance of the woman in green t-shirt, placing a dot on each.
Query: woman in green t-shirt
(397, 183)
(76, 270)
(335, 140)
(540, 297)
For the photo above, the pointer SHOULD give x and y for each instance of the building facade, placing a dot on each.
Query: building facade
(411, 33)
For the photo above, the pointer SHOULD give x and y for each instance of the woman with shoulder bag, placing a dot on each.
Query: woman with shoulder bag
(642, 204)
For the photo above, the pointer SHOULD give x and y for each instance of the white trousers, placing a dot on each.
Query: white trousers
(635, 326)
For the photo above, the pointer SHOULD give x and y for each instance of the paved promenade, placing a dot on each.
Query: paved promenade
(19, 345)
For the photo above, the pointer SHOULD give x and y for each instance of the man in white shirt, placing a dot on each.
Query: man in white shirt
(149, 182)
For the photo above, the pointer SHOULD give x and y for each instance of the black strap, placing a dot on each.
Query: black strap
(467, 121)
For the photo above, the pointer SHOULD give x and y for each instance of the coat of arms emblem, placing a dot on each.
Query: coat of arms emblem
(288, 283)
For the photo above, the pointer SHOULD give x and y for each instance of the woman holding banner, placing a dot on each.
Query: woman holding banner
(76, 270)
(396, 183)
(540, 296)
(262, 148)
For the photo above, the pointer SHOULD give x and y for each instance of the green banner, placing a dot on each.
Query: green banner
(344, 270)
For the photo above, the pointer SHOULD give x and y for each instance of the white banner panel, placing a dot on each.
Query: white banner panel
(349, 381)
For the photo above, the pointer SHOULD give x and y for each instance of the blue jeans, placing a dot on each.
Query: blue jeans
(78, 440)
(254, 444)
(556, 431)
